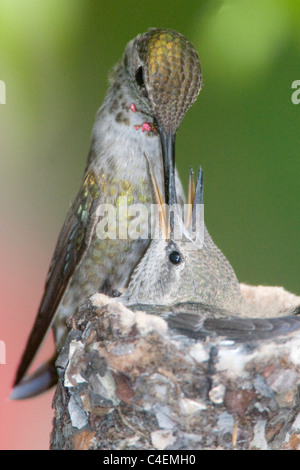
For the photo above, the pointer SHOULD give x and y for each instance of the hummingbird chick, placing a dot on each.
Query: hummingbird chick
(187, 280)
(151, 88)
(185, 265)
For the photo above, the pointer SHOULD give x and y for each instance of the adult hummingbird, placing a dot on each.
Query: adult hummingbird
(184, 277)
(151, 88)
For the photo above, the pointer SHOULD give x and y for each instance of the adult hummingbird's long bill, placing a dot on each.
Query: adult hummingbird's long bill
(151, 88)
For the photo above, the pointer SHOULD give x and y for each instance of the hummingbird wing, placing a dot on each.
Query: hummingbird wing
(72, 243)
(239, 329)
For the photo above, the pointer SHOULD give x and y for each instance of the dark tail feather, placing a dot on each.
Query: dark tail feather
(40, 381)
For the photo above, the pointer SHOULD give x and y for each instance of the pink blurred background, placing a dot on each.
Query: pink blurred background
(24, 424)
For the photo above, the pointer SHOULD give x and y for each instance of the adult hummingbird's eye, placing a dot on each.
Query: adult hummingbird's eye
(175, 257)
(139, 77)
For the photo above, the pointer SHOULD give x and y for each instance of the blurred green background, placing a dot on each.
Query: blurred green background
(244, 130)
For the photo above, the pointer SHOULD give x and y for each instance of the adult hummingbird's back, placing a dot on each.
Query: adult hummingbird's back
(151, 88)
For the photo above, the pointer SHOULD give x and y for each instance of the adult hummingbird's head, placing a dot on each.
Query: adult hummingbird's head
(165, 79)
(165, 73)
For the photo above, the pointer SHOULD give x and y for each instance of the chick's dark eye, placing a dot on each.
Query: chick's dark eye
(139, 77)
(175, 257)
